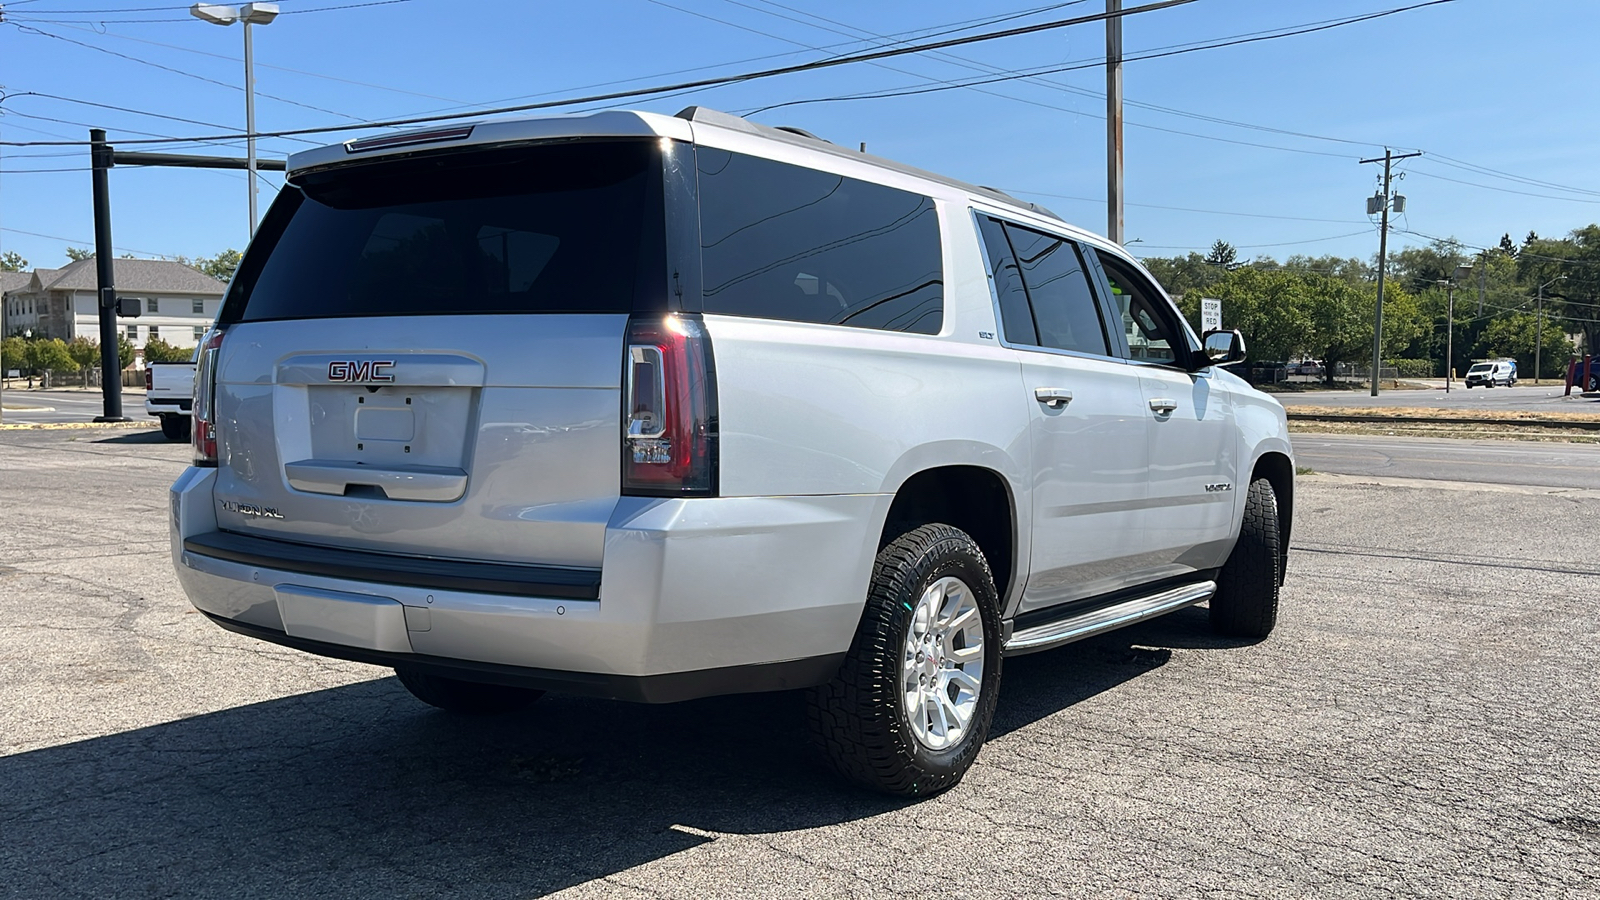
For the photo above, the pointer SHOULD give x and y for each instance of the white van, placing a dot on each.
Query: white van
(1492, 372)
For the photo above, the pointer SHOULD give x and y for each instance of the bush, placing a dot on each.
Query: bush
(1413, 368)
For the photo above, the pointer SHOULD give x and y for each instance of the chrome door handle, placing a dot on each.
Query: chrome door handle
(1162, 406)
(1055, 398)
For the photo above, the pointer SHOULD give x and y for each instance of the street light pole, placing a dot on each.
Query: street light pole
(249, 14)
(250, 123)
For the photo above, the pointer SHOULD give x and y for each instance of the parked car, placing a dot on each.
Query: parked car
(168, 387)
(1492, 372)
(656, 408)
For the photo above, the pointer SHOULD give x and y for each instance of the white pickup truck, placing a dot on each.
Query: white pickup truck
(169, 390)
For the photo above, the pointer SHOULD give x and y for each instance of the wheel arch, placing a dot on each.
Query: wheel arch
(978, 500)
(1278, 469)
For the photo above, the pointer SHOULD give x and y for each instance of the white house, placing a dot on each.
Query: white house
(177, 303)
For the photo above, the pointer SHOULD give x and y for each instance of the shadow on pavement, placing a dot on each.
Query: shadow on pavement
(138, 437)
(363, 791)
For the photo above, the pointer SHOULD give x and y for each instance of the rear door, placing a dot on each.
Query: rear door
(1086, 435)
(425, 356)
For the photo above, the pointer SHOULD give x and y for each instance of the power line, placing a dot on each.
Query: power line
(813, 65)
(1503, 190)
(1052, 70)
(1331, 237)
(1214, 212)
(28, 29)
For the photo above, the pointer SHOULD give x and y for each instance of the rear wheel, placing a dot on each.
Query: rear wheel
(1246, 602)
(467, 697)
(174, 427)
(911, 706)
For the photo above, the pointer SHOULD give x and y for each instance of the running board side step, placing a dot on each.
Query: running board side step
(1107, 618)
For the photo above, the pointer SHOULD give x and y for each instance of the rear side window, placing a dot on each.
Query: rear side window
(1043, 289)
(784, 242)
(558, 228)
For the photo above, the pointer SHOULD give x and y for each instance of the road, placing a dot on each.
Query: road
(1421, 724)
(1555, 465)
(68, 406)
(1524, 397)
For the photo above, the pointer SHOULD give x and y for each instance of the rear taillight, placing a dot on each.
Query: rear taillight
(669, 443)
(149, 378)
(205, 399)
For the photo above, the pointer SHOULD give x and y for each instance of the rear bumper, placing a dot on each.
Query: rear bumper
(695, 597)
(161, 407)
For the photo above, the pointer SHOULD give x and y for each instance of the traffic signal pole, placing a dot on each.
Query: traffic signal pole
(105, 272)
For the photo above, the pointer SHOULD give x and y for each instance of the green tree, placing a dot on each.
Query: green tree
(1181, 275)
(158, 350)
(12, 261)
(1266, 305)
(50, 354)
(1222, 255)
(124, 351)
(13, 354)
(1419, 268)
(76, 253)
(222, 266)
(86, 353)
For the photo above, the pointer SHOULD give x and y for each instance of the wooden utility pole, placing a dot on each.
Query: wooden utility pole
(1383, 257)
(1114, 120)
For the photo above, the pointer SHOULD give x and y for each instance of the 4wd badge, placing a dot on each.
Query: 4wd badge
(349, 370)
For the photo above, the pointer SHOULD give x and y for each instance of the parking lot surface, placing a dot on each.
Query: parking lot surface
(1424, 723)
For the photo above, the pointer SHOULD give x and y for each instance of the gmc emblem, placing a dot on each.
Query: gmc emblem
(369, 370)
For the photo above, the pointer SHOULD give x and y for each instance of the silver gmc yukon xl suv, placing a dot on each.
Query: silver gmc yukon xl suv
(655, 408)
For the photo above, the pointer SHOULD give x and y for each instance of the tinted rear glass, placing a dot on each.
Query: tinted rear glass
(785, 242)
(561, 228)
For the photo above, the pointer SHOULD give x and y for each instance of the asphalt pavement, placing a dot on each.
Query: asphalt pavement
(1528, 463)
(31, 407)
(1525, 397)
(1423, 723)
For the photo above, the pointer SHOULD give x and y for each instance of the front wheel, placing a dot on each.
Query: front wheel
(911, 705)
(1246, 602)
(467, 697)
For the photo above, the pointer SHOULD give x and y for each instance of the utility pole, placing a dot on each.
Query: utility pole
(1114, 120)
(1538, 334)
(1450, 322)
(1383, 202)
(1483, 276)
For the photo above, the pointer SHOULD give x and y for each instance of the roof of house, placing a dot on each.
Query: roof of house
(14, 281)
(158, 276)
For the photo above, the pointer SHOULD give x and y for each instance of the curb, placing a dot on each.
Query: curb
(51, 426)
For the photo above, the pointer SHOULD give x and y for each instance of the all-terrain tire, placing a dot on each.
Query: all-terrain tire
(858, 720)
(175, 428)
(467, 697)
(1246, 602)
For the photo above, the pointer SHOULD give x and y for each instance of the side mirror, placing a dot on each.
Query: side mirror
(1223, 347)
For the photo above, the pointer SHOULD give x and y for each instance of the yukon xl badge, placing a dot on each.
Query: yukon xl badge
(250, 509)
(1219, 486)
(349, 370)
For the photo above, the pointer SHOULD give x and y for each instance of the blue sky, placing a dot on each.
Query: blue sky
(1499, 85)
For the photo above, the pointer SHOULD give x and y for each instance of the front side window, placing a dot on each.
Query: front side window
(1147, 318)
(785, 242)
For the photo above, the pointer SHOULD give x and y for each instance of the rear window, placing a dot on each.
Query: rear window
(785, 242)
(558, 228)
